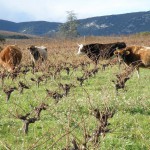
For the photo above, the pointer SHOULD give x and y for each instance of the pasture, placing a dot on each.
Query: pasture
(60, 111)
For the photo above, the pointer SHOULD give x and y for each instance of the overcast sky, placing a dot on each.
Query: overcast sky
(55, 10)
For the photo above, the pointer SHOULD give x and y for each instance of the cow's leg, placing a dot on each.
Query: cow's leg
(95, 64)
(137, 71)
(119, 61)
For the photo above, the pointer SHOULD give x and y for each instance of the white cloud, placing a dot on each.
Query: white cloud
(50, 10)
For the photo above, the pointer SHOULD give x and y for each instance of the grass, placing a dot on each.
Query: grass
(71, 118)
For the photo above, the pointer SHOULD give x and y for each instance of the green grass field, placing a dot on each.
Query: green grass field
(90, 117)
(71, 118)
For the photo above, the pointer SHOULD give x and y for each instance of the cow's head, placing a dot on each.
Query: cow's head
(122, 52)
(81, 49)
(32, 49)
(9, 66)
(35, 55)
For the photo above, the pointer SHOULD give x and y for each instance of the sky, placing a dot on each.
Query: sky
(56, 10)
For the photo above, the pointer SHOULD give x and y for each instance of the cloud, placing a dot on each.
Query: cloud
(50, 10)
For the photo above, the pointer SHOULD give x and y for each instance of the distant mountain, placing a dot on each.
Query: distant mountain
(38, 27)
(34, 28)
(129, 23)
(121, 24)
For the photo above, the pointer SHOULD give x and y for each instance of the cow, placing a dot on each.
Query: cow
(38, 53)
(10, 57)
(96, 51)
(135, 56)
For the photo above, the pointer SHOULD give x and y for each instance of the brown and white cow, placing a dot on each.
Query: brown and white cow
(136, 56)
(96, 51)
(38, 53)
(10, 57)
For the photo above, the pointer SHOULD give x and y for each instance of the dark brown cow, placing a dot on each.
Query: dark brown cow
(96, 51)
(10, 57)
(136, 56)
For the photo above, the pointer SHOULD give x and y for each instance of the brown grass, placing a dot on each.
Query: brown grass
(66, 50)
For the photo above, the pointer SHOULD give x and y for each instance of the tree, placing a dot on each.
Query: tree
(69, 29)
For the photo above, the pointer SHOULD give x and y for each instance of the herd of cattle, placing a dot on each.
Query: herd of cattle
(137, 56)
(11, 56)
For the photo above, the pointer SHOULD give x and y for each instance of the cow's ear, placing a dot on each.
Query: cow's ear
(79, 45)
(127, 52)
(29, 47)
(32, 47)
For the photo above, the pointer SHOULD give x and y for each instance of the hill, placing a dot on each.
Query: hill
(34, 28)
(14, 35)
(121, 24)
(130, 23)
